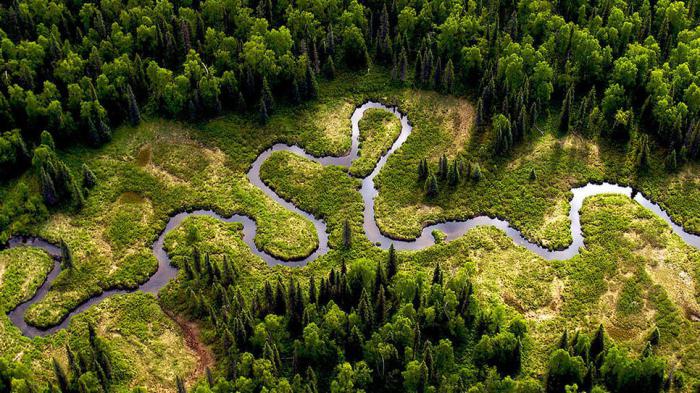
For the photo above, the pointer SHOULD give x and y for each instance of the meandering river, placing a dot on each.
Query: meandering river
(452, 229)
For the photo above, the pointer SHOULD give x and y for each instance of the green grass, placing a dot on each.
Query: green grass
(634, 274)
(378, 130)
(22, 271)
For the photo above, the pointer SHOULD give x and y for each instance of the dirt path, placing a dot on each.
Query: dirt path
(191, 332)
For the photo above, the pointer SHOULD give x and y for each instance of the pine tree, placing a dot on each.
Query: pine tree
(48, 189)
(565, 115)
(266, 95)
(264, 115)
(381, 307)
(66, 255)
(598, 343)
(47, 140)
(403, 66)
(448, 78)
(422, 170)
(655, 336)
(312, 290)
(392, 264)
(280, 304)
(134, 113)
(443, 168)
(89, 178)
(347, 234)
(180, 385)
(533, 174)
(454, 175)
(564, 341)
(643, 152)
(311, 84)
(431, 186)
(61, 377)
(437, 275)
(329, 68)
(366, 311)
(671, 161)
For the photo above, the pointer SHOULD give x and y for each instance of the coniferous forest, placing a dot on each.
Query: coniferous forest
(115, 115)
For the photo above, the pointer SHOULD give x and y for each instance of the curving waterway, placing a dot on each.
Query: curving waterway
(452, 229)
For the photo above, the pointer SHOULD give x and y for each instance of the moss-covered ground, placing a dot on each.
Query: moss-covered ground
(634, 273)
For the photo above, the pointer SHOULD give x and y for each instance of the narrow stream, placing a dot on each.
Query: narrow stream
(452, 229)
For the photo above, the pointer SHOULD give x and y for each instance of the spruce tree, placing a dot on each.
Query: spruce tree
(264, 115)
(48, 189)
(61, 377)
(266, 95)
(311, 84)
(381, 307)
(66, 255)
(134, 113)
(565, 115)
(329, 68)
(312, 290)
(403, 66)
(598, 343)
(89, 178)
(671, 161)
(422, 169)
(443, 168)
(431, 186)
(180, 385)
(454, 175)
(392, 264)
(448, 78)
(437, 275)
(347, 234)
(47, 140)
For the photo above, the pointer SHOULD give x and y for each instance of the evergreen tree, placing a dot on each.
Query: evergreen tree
(565, 115)
(431, 186)
(48, 189)
(89, 178)
(422, 170)
(66, 255)
(671, 161)
(437, 275)
(312, 290)
(564, 341)
(61, 377)
(448, 79)
(180, 385)
(311, 84)
(266, 96)
(264, 115)
(329, 68)
(443, 168)
(503, 130)
(655, 336)
(134, 113)
(392, 265)
(347, 234)
(381, 307)
(47, 140)
(454, 176)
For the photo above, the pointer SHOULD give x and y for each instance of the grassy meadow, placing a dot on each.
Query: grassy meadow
(633, 275)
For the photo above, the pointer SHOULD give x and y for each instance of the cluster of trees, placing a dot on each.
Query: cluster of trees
(596, 365)
(75, 69)
(89, 370)
(449, 174)
(364, 327)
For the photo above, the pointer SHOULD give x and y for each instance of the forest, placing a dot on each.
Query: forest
(179, 84)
